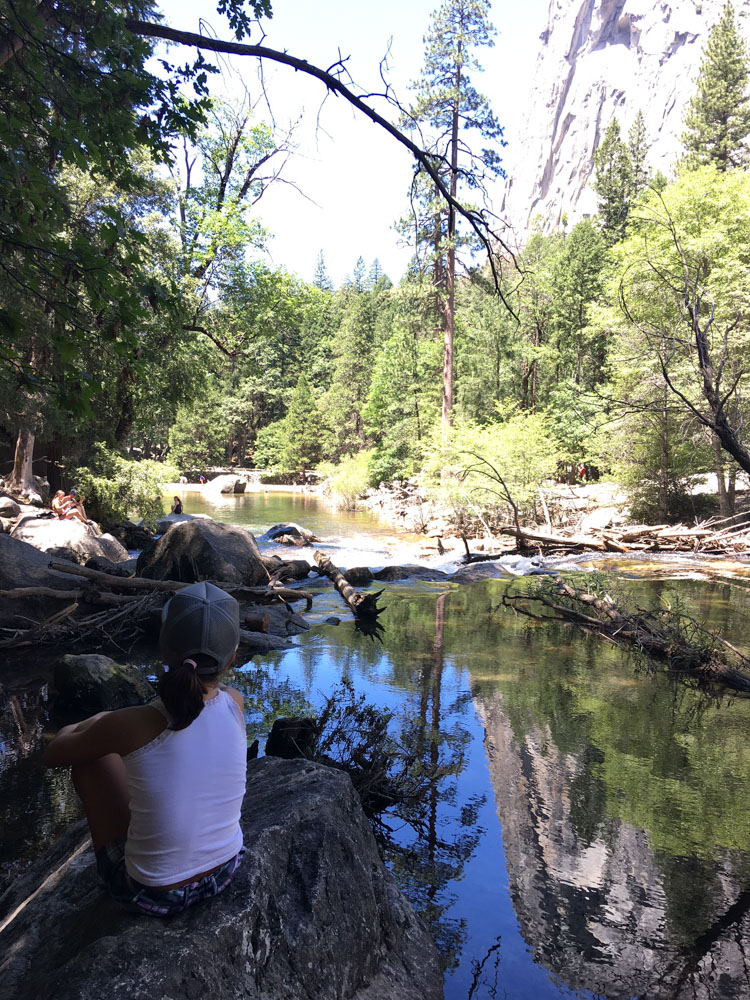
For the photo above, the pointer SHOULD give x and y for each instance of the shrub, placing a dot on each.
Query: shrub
(348, 480)
(117, 487)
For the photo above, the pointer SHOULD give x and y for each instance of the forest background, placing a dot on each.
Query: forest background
(140, 316)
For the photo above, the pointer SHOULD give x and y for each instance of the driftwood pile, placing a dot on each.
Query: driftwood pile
(713, 537)
(688, 648)
(104, 608)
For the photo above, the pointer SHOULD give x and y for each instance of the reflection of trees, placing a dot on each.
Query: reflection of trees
(441, 835)
(600, 906)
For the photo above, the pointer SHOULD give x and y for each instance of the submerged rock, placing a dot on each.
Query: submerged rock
(202, 549)
(312, 912)
(93, 683)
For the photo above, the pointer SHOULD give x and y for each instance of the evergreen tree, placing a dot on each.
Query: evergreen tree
(638, 149)
(376, 273)
(718, 116)
(358, 281)
(302, 430)
(613, 183)
(320, 278)
(448, 106)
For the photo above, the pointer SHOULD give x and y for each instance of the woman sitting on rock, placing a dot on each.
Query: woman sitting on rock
(162, 784)
(66, 507)
(177, 506)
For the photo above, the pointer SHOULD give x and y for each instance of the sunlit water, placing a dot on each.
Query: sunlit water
(595, 838)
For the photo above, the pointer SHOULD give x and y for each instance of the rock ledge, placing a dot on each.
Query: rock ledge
(312, 912)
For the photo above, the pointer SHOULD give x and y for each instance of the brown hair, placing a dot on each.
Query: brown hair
(181, 689)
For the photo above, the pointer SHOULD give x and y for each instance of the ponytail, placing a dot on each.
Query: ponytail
(181, 690)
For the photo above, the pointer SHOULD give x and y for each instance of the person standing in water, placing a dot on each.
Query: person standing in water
(162, 784)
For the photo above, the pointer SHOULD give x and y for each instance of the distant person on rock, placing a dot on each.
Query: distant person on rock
(162, 784)
(177, 506)
(66, 508)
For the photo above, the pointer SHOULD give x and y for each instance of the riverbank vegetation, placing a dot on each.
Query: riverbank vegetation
(140, 315)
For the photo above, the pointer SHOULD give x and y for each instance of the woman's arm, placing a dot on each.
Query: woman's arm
(119, 732)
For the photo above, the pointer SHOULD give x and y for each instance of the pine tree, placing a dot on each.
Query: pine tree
(320, 278)
(638, 149)
(718, 116)
(358, 280)
(447, 106)
(613, 183)
(302, 430)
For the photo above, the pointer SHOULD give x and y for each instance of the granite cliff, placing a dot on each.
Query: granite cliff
(598, 59)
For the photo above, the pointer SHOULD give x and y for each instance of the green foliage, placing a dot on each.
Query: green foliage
(464, 466)
(349, 480)
(718, 117)
(199, 433)
(302, 431)
(403, 400)
(613, 183)
(638, 149)
(118, 488)
(269, 446)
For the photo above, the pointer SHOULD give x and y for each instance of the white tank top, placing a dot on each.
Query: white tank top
(186, 789)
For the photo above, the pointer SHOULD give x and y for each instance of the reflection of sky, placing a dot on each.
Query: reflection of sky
(482, 896)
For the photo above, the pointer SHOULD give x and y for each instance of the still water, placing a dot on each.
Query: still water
(590, 834)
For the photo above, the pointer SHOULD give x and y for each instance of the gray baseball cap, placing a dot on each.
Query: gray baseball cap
(199, 619)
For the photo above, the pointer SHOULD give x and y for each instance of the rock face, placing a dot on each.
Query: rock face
(202, 549)
(93, 683)
(312, 912)
(68, 540)
(600, 59)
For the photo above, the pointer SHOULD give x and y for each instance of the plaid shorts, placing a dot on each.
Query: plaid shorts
(138, 898)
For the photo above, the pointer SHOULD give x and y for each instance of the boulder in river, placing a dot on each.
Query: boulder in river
(93, 683)
(296, 534)
(203, 549)
(229, 483)
(359, 576)
(68, 539)
(311, 912)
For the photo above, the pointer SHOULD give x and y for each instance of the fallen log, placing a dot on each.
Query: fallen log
(143, 583)
(571, 541)
(686, 646)
(362, 605)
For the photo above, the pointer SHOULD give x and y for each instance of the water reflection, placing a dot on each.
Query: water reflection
(624, 806)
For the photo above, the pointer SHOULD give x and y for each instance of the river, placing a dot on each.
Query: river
(590, 834)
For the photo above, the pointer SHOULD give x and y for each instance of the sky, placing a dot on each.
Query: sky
(348, 181)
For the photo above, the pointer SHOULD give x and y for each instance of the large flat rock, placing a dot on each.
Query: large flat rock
(68, 540)
(311, 913)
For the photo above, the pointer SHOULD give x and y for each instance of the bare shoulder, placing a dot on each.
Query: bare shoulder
(120, 732)
(234, 694)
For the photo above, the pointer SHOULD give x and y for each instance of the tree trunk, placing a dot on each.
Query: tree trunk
(450, 277)
(663, 510)
(22, 476)
(726, 505)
